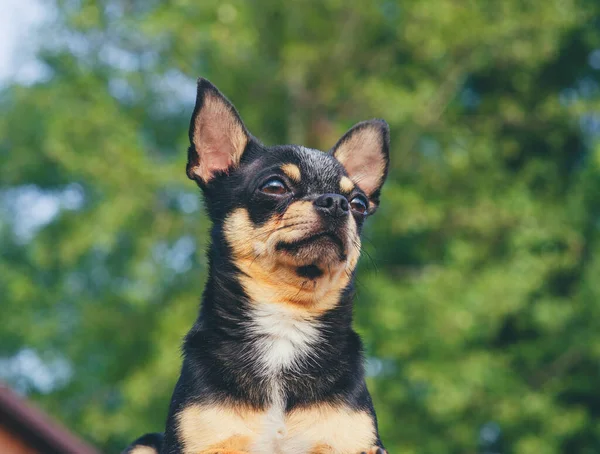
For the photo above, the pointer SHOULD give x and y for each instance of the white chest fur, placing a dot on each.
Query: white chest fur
(283, 338)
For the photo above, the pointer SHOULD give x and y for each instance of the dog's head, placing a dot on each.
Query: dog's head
(290, 216)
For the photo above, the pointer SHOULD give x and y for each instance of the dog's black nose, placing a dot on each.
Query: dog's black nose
(332, 204)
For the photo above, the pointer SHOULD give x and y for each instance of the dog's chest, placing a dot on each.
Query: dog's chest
(309, 430)
(283, 340)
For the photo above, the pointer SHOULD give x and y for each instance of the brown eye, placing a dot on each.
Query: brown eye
(274, 186)
(359, 205)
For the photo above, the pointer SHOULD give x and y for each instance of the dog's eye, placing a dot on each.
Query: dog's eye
(359, 204)
(274, 186)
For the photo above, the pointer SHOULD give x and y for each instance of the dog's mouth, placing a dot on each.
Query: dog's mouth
(317, 242)
(311, 272)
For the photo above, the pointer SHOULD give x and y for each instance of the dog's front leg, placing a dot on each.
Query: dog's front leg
(211, 429)
(237, 444)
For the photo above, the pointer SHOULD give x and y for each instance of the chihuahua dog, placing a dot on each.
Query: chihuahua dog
(272, 364)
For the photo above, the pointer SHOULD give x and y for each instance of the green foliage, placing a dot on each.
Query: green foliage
(478, 295)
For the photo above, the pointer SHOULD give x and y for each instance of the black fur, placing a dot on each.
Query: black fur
(218, 364)
(153, 440)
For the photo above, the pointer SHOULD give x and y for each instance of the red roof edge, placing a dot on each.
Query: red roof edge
(36, 428)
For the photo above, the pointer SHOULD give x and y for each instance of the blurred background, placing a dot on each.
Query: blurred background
(479, 289)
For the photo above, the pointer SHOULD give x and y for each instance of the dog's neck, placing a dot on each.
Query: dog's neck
(268, 338)
(258, 281)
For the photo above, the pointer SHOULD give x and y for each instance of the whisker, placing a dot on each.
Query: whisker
(369, 240)
(358, 247)
(301, 287)
(255, 257)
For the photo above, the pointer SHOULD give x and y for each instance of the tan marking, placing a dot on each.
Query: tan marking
(233, 445)
(322, 449)
(222, 451)
(292, 171)
(323, 427)
(319, 429)
(269, 276)
(211, 429)
(362, 157)
(346, 185)
(143, 450)
(219, 138)
(236, 444)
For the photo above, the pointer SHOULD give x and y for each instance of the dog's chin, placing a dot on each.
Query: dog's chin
(314, 252)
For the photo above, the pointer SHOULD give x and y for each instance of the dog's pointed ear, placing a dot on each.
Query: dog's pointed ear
(217, 135)
(364, 153)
